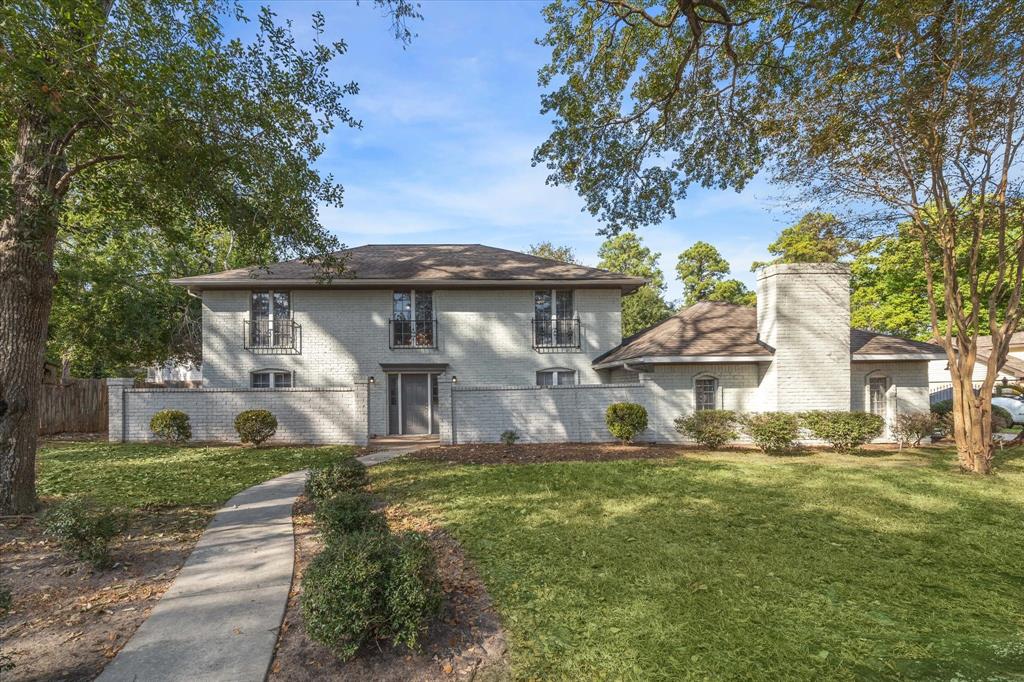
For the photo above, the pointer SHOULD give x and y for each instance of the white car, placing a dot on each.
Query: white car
(1015, 406)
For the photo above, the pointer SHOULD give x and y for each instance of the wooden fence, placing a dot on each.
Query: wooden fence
(76, 407)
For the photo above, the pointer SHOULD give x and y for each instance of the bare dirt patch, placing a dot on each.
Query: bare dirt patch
(466, 643)
(533, 453)
(68, 620)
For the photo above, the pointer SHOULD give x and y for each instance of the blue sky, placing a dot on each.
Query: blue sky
(450, 124)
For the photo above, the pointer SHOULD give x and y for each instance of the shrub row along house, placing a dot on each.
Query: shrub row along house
(468, 341)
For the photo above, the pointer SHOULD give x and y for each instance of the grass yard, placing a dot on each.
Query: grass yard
(741, 566)
(139, 475)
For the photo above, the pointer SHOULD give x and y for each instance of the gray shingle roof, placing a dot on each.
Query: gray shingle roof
(727, 330)
(435, 263)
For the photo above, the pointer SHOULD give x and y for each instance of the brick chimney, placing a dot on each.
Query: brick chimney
(803, 312)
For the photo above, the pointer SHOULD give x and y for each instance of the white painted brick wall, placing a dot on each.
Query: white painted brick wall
(484, 335)
(803, 312)
(303, 415)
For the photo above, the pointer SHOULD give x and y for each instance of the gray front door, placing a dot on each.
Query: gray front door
(415, 403)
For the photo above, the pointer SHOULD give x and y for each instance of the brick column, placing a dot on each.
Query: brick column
(446, 411)
(362, 398)
(115, 409)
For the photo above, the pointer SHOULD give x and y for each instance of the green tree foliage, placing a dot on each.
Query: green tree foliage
(908, 111)
(702, 270)
(815, 238)
(646, 306)
(146, 109)
(566, 254)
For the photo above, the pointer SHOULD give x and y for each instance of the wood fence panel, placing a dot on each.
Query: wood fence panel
(77, 407)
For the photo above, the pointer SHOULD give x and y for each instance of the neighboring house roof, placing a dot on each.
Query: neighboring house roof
(442, 265)
(723, 332)
(1016, 339)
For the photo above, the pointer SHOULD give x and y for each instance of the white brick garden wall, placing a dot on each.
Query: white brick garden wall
(334, 415)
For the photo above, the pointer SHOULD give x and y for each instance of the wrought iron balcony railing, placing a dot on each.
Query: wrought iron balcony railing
(404, 334)
(266, 336)
(558, 334)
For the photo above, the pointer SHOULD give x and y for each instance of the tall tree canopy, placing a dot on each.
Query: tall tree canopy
(703, 271)
(897, 111)
(646, 306)
(816, 238)
(566, 254)
(224, 131)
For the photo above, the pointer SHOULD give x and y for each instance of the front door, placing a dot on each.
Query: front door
(415, 396)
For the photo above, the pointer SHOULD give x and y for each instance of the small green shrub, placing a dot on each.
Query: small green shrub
(5, 599)
(368, 586)
(347, 512)
(255, 426)
(942, 407)
(772, 432)
(412, 593)
(844, 431)
(509, 437)
(172, 425)
(347, 474)
(625, 420)
(1001, 419)
(83, 529)
(910, 428)
(710, 428)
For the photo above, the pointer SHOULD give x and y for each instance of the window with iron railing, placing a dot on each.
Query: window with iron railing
(270, 326)
(555, 325)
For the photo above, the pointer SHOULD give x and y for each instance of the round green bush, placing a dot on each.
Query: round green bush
(910, 428)
(1001, 418)
(341, 592)
(844, 431)
(625, 420)
(172, 425)
(772, 432)
(368, 586)
(710, 428)
(255, 426)
(346, 474)
(83, 529)
(347, 512)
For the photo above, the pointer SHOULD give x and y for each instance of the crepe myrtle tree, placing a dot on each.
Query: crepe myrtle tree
(225, 129)
(893, 111)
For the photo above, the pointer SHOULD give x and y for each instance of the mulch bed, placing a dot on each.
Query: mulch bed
(466, 643)
(533, 453)
(67, 620)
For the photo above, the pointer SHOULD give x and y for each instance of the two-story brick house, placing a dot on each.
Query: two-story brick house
(465, 341)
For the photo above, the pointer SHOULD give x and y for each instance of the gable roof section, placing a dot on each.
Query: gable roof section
(443, 265)
(723, 332)
(703, 330)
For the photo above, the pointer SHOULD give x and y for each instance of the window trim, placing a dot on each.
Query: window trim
(271, 372)
(718, 398)
(556, 371)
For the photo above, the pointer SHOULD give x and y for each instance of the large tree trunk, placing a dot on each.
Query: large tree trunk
(28, 230)
(972, 428)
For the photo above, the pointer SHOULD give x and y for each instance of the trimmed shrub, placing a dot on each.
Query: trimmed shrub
(83, 529)
(710, 428)
(942, 407)
(772, 432)
(348, 474)
(911, 428)
(255, 426)
(172, 425)
(347, 512)
(509, 437)
(1001, 418)
(844, 431)
(625, 420)
(369, 586)
(412, 593)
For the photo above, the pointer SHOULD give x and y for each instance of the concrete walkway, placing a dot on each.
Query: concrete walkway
(220, 618)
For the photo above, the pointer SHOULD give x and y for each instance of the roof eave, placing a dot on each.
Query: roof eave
(627, 285)
(895, 357)
(680, 360)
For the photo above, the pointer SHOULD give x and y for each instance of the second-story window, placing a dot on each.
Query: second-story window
(412, 319)
(554, 318)
(270, 319)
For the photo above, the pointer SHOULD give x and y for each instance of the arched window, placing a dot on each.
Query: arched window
(556, 376)
(705, 392)
(877, 389)
(270, 378)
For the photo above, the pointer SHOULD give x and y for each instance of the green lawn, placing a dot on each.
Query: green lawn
(139, 475)
(741, 566)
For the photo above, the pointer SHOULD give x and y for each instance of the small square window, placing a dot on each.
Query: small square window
(282, 380)
(261, 380)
